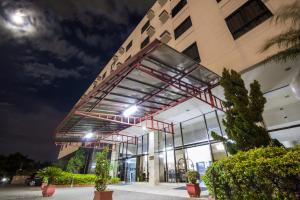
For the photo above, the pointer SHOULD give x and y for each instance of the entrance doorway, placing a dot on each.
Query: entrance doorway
(130, 170)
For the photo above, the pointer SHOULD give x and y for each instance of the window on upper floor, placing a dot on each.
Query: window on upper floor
(145, 42)
(103, 76)
(192, 52)
(247, 17)
(178, 7)
(129, 45)
(185, 25)
(128, 58)
(146, 25)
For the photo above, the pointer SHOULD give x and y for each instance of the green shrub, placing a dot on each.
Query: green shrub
(50, 174)
(66, 178)
(262, 173)
(102, 170)
(193, 176)
(114, 180)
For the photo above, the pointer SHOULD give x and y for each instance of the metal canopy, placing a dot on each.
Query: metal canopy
(155, 79)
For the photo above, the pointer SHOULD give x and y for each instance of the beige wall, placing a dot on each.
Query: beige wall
(217, 48)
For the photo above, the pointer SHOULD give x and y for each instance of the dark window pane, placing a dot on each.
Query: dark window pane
(185, 25)
(247, 17)
(145, 26)
(129, 45)
(145, 42)
(178, 7)
(192, 52)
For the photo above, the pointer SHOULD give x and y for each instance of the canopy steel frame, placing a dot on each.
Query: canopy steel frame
(203, 95)
(184, 91)
(147, 121)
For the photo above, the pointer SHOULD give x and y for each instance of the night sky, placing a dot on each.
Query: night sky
(50, 52)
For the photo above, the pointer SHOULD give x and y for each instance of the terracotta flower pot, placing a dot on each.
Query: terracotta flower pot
(193, 189)
(43, 186)
(48, 190)
(105, 195)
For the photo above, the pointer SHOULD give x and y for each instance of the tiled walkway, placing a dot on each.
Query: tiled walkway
(121, 192)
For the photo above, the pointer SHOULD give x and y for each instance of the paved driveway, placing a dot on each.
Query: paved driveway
(86, 193)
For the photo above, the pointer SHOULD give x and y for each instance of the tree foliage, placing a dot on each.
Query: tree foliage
(102, 170)
(268, 173)
(76, 162)
(288, 40)
(243, 118)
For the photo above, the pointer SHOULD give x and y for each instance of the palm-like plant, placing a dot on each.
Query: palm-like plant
(288, 40)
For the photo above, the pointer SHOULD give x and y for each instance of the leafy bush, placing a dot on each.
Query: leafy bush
(262, 173)
(102, 170)
(76, 162)
(50, 174)
(193, 176)
(114, 180)
(66, 178)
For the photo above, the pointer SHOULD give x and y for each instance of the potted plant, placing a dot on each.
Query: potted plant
(102, 176)
(192, 186)
(49, 174)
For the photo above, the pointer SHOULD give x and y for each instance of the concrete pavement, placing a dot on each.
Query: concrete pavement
(121, 192)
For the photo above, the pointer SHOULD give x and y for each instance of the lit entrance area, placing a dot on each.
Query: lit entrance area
(130, 166)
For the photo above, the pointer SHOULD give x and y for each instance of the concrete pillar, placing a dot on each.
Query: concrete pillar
(153, 160)
(114, 163)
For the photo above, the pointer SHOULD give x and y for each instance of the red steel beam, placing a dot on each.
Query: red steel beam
(179, 76)
(117, 76)
(146, 121)
(205, 96)
(111, 137)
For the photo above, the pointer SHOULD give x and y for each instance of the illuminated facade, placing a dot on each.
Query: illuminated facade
(154, 69)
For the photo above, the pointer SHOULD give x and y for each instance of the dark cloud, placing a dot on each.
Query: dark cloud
(47, 64)
(30, 132)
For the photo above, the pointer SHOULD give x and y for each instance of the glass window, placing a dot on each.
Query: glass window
(146, 25)
(192, 52)
(199, 158)
(178, 7)
(218, 151)
(212, 124)
(185, 25)
(145, 42)
(194, 131)
(140, 145)
(145, 143)
(181, 165)
(131, 150)
(177, 136)
(129, 45)
(104, 75)
(247, 17)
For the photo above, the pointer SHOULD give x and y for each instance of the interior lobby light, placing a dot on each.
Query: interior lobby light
(88, 135)
(129, 111)
(295, 85)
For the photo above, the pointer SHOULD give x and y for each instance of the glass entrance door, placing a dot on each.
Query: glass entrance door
(131, 170)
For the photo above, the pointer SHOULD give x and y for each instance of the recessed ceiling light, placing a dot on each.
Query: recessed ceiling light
(287, 69)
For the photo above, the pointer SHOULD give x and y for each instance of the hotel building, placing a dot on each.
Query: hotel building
(157, 100)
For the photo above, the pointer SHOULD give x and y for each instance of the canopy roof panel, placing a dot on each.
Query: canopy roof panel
(155, 79)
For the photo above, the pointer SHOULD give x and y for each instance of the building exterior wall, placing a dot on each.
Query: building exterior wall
(157, 160)
(216, 46)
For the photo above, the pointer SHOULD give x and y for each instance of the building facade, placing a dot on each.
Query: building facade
(217, 34)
